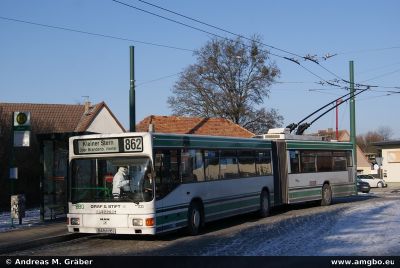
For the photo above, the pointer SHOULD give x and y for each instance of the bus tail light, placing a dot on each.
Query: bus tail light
(150, 222)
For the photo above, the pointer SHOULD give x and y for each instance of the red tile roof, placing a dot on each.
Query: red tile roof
(53, 118)
(193, 125)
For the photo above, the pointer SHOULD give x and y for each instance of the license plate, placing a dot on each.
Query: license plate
(106, 230)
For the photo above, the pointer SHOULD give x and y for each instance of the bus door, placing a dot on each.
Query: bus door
(280, 172)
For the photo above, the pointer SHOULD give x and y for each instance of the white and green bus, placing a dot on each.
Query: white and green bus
(150, 183)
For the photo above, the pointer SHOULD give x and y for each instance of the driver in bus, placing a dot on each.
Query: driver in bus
(120, 182)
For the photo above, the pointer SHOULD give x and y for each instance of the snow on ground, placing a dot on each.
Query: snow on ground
(367, 229)
(32, 216)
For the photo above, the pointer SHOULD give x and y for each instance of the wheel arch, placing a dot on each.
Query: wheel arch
(265, 188)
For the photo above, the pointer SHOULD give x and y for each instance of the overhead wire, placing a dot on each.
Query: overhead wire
(382, 75)
(94, 34)
(378, 68)
(368, 50)
(222, 37)
(272, 47)
(157, 79)
(190, 50)
(309, 58)
(118, 38)
(218, 28)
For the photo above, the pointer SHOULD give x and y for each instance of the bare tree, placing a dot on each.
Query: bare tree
(365, 141)
(230, 80)
(386, 132)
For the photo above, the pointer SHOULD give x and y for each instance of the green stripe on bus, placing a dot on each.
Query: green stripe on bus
(179, 216)
(344, 190)
(318, 145)
(208, 142)
(172, 217)
(295, 194)
(231, 205)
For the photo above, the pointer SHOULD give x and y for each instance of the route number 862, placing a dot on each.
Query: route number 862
(133, 144)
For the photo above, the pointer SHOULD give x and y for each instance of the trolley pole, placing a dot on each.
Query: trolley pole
(353, 113)
(132, 106)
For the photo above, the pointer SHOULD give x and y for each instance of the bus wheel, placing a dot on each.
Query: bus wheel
(264, 204)
(326, 195)
(194, 218)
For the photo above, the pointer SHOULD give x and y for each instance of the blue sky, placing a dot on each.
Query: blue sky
(47, 65)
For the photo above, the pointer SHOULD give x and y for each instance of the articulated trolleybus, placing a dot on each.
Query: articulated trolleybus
(150, 183)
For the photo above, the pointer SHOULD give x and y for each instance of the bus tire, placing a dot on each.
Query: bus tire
(264, 204)
(326, 195)
(195, 218)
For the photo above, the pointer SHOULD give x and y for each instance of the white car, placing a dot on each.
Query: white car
(372, 181)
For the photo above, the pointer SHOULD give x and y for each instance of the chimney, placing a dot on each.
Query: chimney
(88, 105)
(151, 127)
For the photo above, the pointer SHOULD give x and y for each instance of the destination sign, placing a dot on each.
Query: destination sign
(109, 145)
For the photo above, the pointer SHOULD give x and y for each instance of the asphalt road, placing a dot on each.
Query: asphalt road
(285, 232)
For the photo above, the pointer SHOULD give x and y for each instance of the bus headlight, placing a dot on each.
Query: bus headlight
(75, 221)
(137, 222)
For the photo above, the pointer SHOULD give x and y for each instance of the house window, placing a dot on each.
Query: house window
(393, 156)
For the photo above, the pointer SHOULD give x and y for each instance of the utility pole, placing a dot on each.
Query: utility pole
(337, 117)
(353, 113)
(132, 105)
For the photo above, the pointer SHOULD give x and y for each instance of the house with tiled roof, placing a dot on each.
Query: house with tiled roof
(192, 125)
(64, 118)
(45, 161)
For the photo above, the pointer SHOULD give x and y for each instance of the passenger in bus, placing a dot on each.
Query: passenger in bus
(148, 182)
(148, 187)
(120, 181)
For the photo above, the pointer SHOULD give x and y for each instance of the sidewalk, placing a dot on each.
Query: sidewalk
(34, 235)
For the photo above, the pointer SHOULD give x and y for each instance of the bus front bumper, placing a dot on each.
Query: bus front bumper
(111, 224)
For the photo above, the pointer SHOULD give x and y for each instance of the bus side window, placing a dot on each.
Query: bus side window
(166, 167)
(308, 161)
(294, 161)
(192, 165)
(339, 161)
(247, 163)
(228, 164)
(211, 165)
(198, 165)
(263, 163)
(186, 166)
(349, 157)
(324, 161)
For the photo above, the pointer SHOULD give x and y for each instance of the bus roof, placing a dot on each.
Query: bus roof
(162, 140)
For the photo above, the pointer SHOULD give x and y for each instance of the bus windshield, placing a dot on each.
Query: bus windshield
(111, 180)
